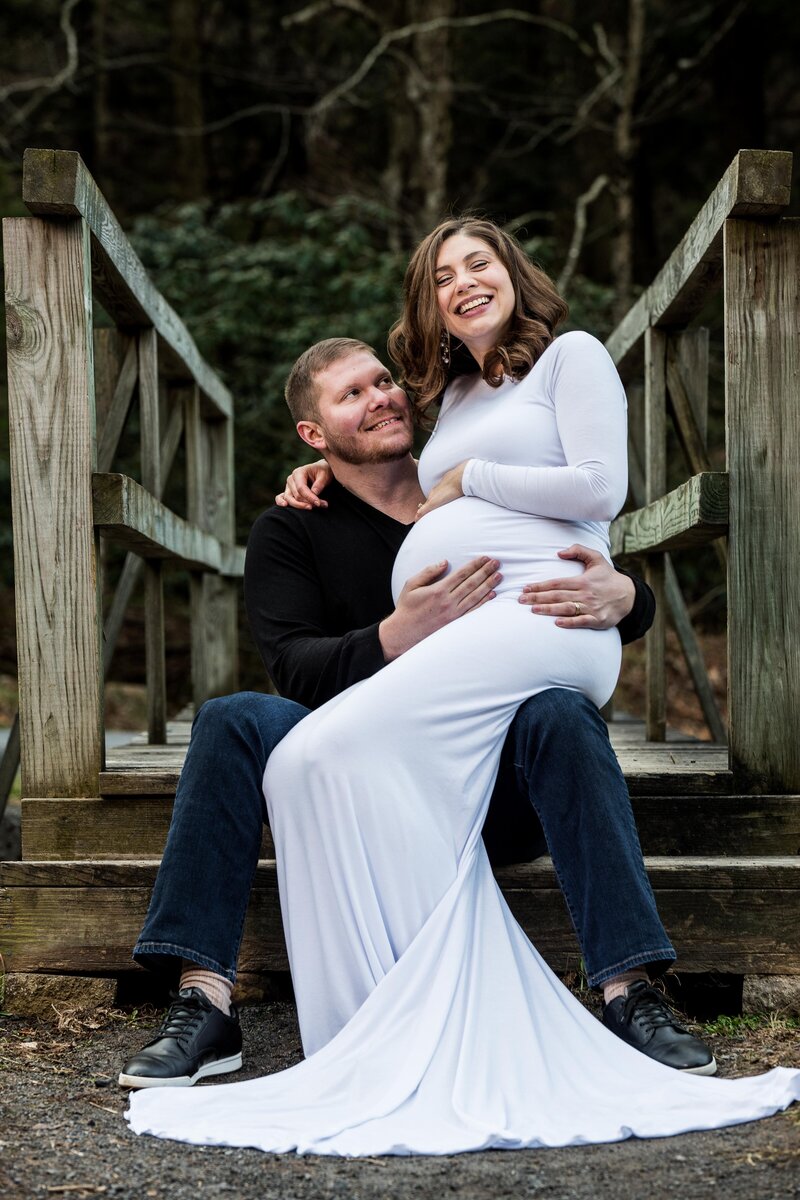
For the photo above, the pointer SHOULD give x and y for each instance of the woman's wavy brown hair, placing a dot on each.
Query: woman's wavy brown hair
(415, 340)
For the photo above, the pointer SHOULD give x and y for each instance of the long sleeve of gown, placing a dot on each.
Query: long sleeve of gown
(591, 417)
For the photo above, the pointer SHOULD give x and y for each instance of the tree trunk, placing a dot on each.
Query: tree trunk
(625, 142)
(433, 100)
(191, 177)
(421, 132)
(100, 116)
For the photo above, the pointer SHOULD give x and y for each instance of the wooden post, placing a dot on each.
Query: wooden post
(688, 350)
(155, 652)
(690, 347)
(655, 392)
(132, 567)
(214, 600)
(762, 351)
(53, 455)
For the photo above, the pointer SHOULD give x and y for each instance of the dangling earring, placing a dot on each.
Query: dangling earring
(444, 348)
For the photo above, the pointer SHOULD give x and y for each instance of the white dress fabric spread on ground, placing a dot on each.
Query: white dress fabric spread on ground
(430, 1023)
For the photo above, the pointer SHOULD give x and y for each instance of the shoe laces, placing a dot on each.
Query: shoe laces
(650, 1008)
(183, 1018)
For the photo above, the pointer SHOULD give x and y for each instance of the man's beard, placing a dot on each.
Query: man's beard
(356, 451)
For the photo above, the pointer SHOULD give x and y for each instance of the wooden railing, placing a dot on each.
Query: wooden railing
(71, 390)
(738, 242)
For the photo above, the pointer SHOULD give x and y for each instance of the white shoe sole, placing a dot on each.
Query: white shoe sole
(708, 1069)
(221, 1067)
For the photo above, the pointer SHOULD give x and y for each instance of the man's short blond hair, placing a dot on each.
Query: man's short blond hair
(302, 392)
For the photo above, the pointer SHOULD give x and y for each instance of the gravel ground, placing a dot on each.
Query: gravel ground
(62, 1134)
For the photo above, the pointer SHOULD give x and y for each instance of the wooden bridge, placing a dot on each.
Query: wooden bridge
(92, 344)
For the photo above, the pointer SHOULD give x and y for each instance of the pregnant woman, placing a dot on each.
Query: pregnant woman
(430, 1023)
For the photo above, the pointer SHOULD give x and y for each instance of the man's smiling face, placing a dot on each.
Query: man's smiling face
(364, 417)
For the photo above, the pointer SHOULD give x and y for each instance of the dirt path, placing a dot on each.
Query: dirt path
(62, 1134)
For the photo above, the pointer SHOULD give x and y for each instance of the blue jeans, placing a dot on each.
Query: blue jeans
(559, 787)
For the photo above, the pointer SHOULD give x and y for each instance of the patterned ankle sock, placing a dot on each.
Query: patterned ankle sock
(216, 987)
(618, 986)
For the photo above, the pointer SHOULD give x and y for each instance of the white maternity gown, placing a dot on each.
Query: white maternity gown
(430, 1023)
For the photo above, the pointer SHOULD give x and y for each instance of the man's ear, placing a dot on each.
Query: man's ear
(312, 435)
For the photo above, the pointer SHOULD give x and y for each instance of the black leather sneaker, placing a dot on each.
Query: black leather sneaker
(195, 1040)
(645, 1021)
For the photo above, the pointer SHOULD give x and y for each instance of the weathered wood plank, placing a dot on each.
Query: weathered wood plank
(674, 596)
(136, 826)
(214, 600)
(124, 508)
(132, 567)
(9, 764)
(692, 653)
(155, 651)
(688, 430)
(679, 766)
(118, 409)
(690, 350)
(655, 476)
(686, 425)
(132, 782)
(762, 349)
(149, 414)
(52, 432)
(109, 348)
(732, 915)
(93, 929)
(57, 183)
(757, 183)
(154, 642)
(643, 779)
(693, 872)
(691, 515)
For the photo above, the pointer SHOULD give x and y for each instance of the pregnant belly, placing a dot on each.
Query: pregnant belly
(526, 546)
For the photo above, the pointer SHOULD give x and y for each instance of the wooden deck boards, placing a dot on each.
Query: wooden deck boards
(725, 868)
(679, 765)
(678, 753)
(735, 915)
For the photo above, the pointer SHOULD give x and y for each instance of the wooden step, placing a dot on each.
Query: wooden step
(675, 767)
(133, 827)
(739, 915)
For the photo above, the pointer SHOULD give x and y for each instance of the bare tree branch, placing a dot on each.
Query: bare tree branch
(579, 231)
(584, 109)
(280, 158)
(604, 47)
(388, 39)
(535, 214)
(683, 66)
(304, 15)
(45, 85)
(241, 114)
(385, 45)
(625, 146)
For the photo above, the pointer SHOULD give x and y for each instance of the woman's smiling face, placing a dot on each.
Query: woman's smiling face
(474, 292)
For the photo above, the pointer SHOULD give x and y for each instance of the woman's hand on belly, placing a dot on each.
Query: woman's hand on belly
(448, 488)
(431, 599)
(599, 598)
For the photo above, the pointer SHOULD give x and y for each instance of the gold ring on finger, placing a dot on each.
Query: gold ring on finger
(577, 608)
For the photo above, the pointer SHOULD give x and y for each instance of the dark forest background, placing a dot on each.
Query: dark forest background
(274, 162)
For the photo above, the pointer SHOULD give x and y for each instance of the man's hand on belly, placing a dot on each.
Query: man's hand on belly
(432, 599)
(599, 598)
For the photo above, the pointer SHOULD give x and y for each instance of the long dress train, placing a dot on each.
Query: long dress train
(430, 1023)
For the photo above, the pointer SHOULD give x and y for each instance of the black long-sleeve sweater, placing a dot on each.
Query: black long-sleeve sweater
(317, 585)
